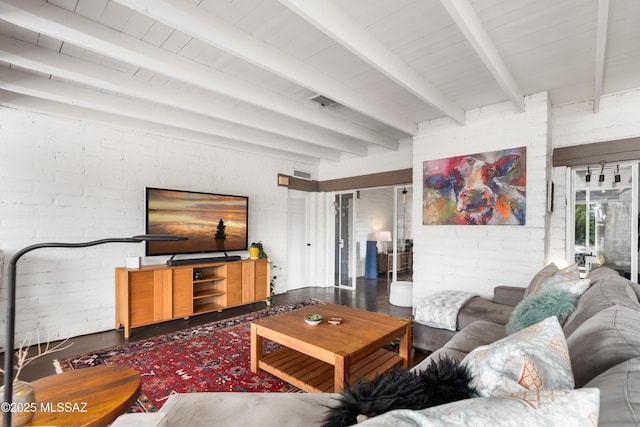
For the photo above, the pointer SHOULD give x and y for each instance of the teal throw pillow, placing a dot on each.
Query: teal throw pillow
(552, 301)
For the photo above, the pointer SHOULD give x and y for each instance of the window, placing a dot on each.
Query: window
(605, 217)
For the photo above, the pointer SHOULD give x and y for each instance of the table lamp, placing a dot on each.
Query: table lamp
(384, 237)
(11, 298)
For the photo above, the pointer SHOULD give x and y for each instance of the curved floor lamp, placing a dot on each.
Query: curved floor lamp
(11, 298)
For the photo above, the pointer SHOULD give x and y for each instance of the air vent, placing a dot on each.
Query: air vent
(323, 100)
(302, 174)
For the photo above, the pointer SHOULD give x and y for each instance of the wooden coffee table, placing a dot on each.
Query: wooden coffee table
(85, 397)
(326, 357)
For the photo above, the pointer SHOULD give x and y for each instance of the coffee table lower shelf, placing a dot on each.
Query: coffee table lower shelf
(315, 376)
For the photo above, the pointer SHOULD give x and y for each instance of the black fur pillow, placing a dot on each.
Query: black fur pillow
(444, 380)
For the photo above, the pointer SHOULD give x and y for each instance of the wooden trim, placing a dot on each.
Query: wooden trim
(283, 180)
(587, 154)
(382, 179)
(303, 184)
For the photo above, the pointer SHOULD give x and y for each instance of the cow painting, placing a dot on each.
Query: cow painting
(479, 189)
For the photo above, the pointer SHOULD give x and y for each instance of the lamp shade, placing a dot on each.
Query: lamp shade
(384, 236)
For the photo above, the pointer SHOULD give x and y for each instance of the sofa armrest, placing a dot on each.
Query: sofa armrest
(508, 295)
(147, 419)
(233, 409)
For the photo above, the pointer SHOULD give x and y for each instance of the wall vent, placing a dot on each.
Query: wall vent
(302, 174)
(323, 100)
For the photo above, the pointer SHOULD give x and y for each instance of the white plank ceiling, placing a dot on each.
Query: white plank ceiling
(241, 73)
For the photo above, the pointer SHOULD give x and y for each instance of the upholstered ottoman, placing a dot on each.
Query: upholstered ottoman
(401, 294)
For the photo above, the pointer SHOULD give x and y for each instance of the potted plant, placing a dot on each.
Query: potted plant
(272, 287)
(259, 253)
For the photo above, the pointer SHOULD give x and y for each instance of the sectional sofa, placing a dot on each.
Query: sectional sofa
(597, 349)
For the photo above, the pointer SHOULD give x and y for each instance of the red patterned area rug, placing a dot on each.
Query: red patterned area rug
(210, 357)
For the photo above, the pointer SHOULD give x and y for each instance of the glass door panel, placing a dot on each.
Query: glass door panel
(605, 219)
(403, 247)
(344, 241)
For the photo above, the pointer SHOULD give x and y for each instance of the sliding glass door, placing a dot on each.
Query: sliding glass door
(605, 218)
(344, 249)
(403, 236)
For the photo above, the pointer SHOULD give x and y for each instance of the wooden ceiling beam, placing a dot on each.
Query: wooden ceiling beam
(60, 24)
(601, 48)
(469, 24)
(593, 153)
(328, 18)
(214, 31)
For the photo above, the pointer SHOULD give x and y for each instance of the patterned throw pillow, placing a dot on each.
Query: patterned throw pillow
(534, 408)
(575, 286)
(570, 272)
(535, 358)
(567, 278)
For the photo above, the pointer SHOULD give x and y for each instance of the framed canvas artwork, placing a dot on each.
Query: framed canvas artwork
(476, 189)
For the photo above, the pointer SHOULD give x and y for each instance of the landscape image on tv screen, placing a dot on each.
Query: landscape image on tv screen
(212, 222)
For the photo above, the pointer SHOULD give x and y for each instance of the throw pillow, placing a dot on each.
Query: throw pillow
(535, 308)
(535, 358)
(570, 272)
(540, 277)
(443, 380)
(575, 286)
(542, 408)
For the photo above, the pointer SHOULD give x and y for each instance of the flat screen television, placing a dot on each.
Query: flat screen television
(212, 222)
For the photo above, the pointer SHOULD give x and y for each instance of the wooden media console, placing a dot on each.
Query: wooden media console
(158, 293)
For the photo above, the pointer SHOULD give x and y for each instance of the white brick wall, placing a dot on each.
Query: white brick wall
(70, 181)
(478, 258)
(619, 117)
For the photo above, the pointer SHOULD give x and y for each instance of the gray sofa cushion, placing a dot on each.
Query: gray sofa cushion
(602, 273)
(606, 290)
(238, 409)
(439, 354)
(619, 394)
(428, 339)
(606, 339)
(480, 332)
(476, 334)
(479, 308)
(508, 295)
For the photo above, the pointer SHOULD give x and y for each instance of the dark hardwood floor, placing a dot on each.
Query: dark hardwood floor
(370, 294)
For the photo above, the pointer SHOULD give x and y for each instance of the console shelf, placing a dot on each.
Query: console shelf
(209, 279)
(158, 293)
(206, 293)
(207, 308)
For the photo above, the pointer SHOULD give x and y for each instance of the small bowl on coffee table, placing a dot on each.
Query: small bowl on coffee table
(313, 318)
